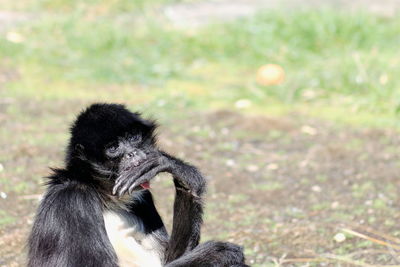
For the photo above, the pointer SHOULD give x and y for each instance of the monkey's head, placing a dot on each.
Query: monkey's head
(111, 138)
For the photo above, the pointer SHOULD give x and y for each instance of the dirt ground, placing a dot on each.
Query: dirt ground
(284, 187)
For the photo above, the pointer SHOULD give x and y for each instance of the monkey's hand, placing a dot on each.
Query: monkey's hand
(186, 177)
(140, 175)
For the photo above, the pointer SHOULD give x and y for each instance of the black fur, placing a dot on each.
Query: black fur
(146, 210)
(69, 229)
(114, 150)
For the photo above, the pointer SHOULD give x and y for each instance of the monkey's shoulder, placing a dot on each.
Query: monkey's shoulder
(71, 201)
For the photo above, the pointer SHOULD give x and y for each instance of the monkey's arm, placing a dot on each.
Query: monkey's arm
(187, 220)
(188, 208)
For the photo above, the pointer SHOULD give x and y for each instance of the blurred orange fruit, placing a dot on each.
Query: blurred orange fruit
(270, 74)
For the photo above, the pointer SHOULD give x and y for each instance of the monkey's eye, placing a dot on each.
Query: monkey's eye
(112, 150)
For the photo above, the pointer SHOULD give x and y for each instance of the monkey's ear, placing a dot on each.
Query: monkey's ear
(79, 148)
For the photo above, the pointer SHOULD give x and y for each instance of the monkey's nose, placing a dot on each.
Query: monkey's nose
(131, 154)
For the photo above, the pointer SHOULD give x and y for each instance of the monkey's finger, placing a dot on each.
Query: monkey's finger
(118, 183)
(124, 188)
(131, 181)
(114, 191)
(146, 177)
(124, 182)
(131, 188)
(140, 171)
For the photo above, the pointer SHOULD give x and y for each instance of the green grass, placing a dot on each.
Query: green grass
(338, 65)
(95, 6)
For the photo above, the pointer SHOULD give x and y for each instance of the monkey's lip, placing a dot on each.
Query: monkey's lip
(136, 162)
(145, 185)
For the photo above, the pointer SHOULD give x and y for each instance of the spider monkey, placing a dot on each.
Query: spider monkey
(98, 210)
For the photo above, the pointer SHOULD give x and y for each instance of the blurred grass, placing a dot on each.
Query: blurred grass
(338, 65)
(110, 6)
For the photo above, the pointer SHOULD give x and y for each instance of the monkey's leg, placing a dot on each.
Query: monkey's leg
(211, 254)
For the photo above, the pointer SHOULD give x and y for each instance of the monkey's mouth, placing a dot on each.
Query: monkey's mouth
(145, 185)
(137, 161)
(132, 164)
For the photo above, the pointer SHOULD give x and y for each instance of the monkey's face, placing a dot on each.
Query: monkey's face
(125, 155)
(114, 141)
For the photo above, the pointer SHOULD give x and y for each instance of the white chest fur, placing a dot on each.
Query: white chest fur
(124, 237)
